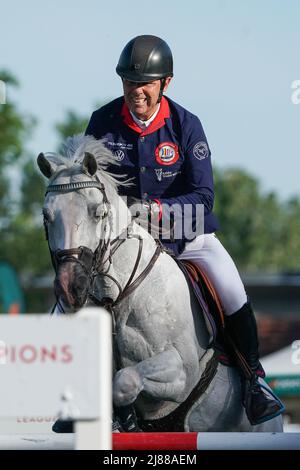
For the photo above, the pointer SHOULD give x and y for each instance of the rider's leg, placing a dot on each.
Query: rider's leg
(208, 252)
(242, 328)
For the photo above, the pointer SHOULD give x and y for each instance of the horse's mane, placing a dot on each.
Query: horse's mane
(72, 152)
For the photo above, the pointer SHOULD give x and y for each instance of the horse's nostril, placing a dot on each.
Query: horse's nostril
(80, 288)
(81, 282)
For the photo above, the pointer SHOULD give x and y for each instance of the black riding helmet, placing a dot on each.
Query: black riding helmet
(145, 58)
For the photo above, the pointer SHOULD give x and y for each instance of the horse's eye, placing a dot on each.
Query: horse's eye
(46, 217)
(100, 211)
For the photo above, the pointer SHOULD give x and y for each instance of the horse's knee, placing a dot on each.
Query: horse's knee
(127, 386)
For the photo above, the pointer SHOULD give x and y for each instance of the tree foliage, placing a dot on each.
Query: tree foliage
(260, 231)
(15, 126)
(21, 192)
(71, 125)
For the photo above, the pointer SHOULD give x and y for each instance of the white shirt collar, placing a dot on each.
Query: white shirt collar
(144, 124)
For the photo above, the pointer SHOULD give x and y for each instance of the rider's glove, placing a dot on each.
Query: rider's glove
(148, 214)
(144, 210)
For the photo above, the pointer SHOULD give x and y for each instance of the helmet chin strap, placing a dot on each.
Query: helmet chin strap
(162, 86)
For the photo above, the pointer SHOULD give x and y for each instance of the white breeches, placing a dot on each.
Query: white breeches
(209, 253)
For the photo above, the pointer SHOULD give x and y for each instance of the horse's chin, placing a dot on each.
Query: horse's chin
(71, 286)
(71, 304)
(79, 303)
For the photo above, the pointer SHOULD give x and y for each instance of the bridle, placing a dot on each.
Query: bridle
(82, 255)
(93, 263)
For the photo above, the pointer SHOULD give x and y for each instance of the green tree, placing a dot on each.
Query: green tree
(237, 201)
(14, 128)
(72, 124)
(290, 240)
(267, 250)
(258, 230)
(21, 191)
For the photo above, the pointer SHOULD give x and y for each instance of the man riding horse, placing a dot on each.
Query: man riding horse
(162, 146)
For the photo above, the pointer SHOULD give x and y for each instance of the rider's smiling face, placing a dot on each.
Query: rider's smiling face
(141, 98)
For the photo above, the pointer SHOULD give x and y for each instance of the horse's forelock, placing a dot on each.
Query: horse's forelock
(72, 154)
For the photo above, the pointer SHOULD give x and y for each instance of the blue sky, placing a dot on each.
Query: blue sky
(234, 64)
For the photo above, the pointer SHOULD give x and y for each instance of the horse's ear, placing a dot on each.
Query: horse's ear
(45, 166)
(89, 164)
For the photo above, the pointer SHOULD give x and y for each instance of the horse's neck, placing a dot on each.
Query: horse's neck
(124, 258)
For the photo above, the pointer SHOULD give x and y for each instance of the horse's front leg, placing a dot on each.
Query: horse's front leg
(161, 376)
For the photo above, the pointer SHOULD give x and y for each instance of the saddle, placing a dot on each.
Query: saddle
(223, 344)
(210, 305)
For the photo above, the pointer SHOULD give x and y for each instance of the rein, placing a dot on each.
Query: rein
(130, 286)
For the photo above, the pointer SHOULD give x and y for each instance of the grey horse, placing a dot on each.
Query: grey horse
(161, 337)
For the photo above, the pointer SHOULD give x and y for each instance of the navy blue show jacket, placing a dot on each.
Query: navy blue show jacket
(170, 161)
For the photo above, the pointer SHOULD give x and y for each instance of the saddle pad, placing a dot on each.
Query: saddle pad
(212, 311)
(196, 280)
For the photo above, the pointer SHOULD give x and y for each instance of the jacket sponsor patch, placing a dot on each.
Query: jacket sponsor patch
(160, 174)
(118, 148)
(166, 153)
(119, 155)
(200, 150)
(120, 145)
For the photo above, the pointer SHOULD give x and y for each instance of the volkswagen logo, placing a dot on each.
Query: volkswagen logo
(119, 154)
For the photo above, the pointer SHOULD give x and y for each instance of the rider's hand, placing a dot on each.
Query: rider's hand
(144, 210)
(148, 214)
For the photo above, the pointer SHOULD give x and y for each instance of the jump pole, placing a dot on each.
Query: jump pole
(161, 441)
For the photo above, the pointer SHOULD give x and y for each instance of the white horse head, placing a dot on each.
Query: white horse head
(80, 213)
